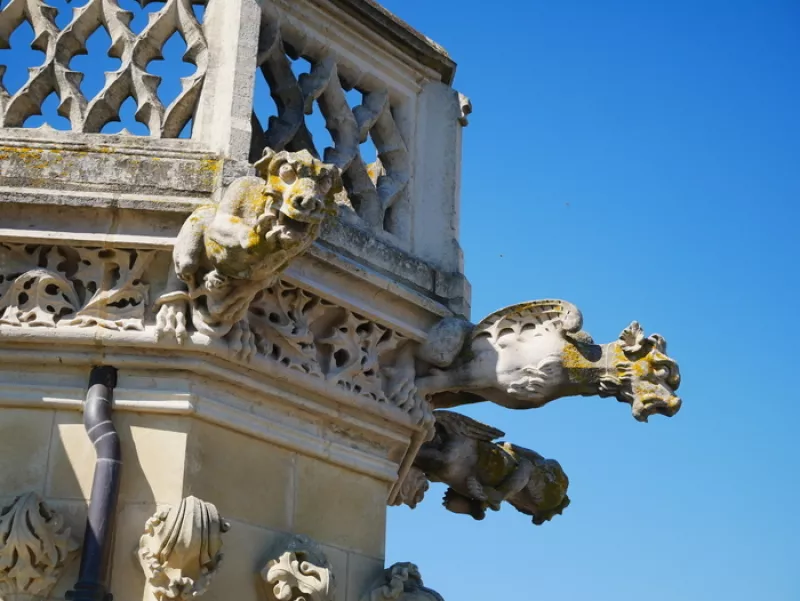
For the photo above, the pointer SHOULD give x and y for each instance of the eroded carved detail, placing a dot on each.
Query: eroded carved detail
(227, 253)
(412, 490)
(301, 573)
(131, 79)
(45, 286)
(180, 550)
(482, 474)
(34, 548)
(401, 582)
(530, 354)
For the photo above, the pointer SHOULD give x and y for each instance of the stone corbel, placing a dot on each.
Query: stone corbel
(401, 582)
(180, 550)
(301, 573)
(35, 547)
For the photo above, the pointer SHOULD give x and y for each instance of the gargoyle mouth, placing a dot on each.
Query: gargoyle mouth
(656, 406)
(293, 225)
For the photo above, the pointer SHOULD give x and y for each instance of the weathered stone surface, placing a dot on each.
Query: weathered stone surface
(530, 354)
(34, 548)
(401, 582)
(482, 474)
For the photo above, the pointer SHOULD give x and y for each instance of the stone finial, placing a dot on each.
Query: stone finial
(301, 573)
(401, 582)
(34, 548)
(180, 550)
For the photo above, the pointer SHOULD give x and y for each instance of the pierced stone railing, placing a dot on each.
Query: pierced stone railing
(381, 90)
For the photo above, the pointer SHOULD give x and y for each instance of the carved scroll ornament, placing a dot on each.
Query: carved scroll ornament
(300, 573)
(180, 550)
(35, 547)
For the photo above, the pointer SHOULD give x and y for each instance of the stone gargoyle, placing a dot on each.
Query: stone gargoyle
(527, 355)
(226, 253)
(482, 473)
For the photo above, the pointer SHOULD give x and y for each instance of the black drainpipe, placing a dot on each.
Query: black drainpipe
(91, 585)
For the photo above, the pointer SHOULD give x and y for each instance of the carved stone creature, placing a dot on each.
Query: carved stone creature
(527, 355)
(401, 582)
(226, 253)
(482, 474)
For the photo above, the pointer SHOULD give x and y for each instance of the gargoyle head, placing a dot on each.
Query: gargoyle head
(302, 189)
(642, 374)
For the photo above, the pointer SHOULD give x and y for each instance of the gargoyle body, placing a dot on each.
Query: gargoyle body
(227, 252)
(527, 355)
(482, 473)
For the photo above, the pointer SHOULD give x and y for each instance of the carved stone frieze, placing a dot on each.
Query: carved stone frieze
(180, 550)
(301, 573)
(46, 286)
(401, 582)
(530, 354)
(35, 547)
(481, 473)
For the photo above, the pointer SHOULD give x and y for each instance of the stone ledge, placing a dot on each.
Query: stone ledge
(334, 426)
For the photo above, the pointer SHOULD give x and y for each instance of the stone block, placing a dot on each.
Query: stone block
(24, 444)
(362, 573)
(247, 549)
(338, 507)
(249, 480)
(153, 455)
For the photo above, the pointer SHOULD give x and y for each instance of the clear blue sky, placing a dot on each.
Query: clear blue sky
(642, 160)
(653, 151)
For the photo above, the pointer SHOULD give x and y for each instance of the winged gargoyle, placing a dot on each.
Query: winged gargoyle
(529, 354)
(482, 474)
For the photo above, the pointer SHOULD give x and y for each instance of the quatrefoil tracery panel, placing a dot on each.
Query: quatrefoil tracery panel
(132, 80)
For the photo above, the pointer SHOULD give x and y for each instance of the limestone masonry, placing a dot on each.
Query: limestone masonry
(224, 354)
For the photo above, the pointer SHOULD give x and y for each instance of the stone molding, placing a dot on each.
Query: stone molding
(180, 550)
(301, 573)
(35, 547)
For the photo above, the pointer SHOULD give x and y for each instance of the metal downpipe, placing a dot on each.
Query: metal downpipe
(97, 540)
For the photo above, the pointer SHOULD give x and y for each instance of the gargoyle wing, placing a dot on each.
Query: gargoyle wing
(456, 424)
(544, 315)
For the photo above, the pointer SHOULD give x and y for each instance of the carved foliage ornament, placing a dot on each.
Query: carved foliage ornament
(45, 286)
(34, 548)
(180, 550)
(301, 573)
